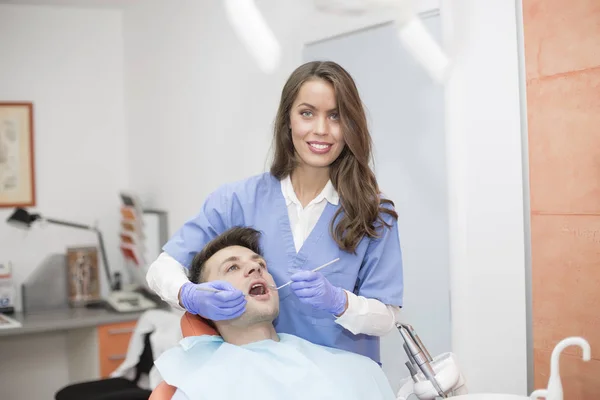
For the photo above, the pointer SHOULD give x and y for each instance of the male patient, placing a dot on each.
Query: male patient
(249, 360)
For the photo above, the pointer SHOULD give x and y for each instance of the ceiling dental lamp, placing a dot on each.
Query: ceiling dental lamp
(252, 29)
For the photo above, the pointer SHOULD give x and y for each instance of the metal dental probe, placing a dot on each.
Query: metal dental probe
(208, 289)
(314, 270)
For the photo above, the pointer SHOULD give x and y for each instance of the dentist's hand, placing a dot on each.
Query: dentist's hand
(314, 289)
(228, 303)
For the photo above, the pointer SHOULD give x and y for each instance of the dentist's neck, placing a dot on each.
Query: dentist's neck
(308, 182)
(241, 335)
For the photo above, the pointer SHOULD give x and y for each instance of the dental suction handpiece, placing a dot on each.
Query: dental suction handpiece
(417, 339)
(411, 359)
(413, 371)
(421, 360)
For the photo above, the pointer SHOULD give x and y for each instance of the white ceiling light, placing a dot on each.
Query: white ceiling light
(253, 31)
(411, 31)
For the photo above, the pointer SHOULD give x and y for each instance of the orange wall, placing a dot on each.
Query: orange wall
(562, 57)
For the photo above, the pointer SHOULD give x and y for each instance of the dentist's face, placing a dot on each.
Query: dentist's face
(315, 125)
(246, 271)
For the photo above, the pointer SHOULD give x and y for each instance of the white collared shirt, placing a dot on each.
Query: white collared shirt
(303, 220)
(366, 316)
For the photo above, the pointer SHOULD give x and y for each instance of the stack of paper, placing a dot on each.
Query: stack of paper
(7, 322)
(132, 230)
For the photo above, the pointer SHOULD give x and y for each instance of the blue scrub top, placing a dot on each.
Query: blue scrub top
(374, 271)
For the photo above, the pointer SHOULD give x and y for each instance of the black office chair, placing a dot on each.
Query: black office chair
(113, 388)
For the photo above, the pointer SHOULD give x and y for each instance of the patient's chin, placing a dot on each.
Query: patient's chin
(258, 314)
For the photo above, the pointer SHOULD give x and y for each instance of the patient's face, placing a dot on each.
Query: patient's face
(246, 271)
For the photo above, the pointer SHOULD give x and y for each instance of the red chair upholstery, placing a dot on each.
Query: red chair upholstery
(191, 325)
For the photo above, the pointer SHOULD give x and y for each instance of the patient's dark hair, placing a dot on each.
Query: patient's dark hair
(237, 236)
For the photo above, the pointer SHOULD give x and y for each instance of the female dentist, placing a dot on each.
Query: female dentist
(320, 201)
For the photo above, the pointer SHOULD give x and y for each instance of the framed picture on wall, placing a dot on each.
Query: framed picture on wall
(17, 161)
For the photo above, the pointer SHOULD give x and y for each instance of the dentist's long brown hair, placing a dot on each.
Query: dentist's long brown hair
(350, 173)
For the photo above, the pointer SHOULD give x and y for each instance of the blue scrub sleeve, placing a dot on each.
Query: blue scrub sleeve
(381, 274)
(213, 219)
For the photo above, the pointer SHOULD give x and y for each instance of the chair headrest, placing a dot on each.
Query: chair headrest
(195, 325)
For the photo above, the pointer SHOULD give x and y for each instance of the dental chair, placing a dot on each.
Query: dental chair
(191, 325)
(194, 325)
(431, 377)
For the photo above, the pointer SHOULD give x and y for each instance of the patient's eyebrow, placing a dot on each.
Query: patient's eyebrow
(259, 258)
(236, 258)
(229, 259)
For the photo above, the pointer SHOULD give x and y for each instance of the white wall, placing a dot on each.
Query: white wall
(191, 92)
(69, 63)
(487, 204)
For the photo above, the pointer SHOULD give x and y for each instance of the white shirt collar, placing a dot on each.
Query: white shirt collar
(328, 193)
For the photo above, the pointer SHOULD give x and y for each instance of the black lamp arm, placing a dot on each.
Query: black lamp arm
(71, 224)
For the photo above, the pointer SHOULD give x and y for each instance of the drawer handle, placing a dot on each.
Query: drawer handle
(114, 357)
(120, 331)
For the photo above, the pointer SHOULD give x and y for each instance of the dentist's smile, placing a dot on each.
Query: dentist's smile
(319, 147)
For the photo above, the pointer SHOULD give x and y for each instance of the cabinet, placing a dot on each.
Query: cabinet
(60, 347)
(113, 340)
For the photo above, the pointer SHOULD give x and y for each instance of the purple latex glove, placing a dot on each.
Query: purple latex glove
(228, 303)
(314, 289)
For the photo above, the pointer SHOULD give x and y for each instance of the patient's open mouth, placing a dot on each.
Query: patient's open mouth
(258, 290)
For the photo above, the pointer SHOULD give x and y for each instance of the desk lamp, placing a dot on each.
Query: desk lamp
(22, 219)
